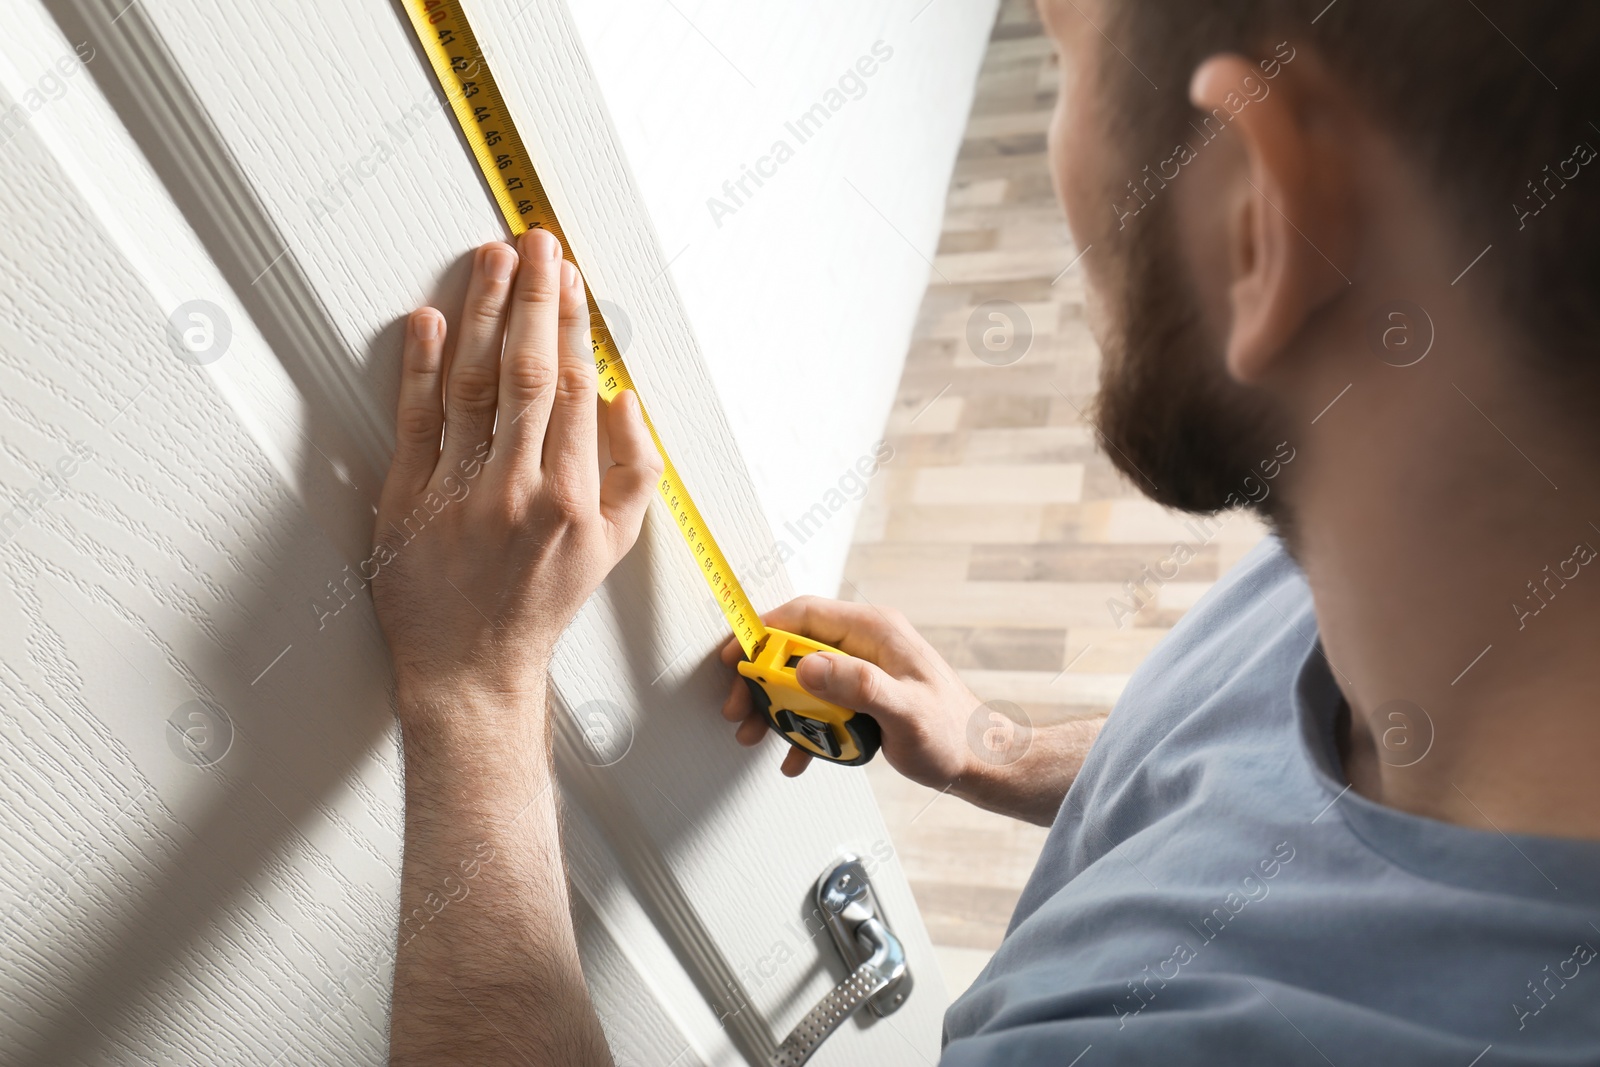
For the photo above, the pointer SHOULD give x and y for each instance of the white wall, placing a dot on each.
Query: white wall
(803, 298)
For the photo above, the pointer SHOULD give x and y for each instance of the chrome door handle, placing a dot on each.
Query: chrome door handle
(849, 909)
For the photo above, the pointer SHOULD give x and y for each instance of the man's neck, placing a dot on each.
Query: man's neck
(1451, 545)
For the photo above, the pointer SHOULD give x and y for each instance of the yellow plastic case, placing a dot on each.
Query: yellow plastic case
(809, 723)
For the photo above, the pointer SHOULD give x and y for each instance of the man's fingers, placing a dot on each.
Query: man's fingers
(569, 444)
(851, 683)
(625, 492)
(472, 383)
(528, 373)
(419, 414)
(859, 629)
(751, 731)
(795, 762)
(738, 706)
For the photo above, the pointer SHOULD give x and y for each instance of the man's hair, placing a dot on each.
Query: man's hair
(1484, 95)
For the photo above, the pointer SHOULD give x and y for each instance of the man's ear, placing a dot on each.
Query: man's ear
(1283, 220)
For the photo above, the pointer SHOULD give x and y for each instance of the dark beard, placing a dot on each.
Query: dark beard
(1168, 414)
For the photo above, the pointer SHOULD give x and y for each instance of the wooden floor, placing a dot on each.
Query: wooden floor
(998, 528)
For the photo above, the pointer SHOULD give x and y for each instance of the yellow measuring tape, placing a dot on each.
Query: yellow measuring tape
(823, 729)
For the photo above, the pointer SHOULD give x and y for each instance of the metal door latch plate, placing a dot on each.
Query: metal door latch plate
(878, 978)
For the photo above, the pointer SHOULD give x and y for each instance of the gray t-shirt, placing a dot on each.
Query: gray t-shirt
(1212, 892)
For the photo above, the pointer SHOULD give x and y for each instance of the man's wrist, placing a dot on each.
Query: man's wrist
(466, 727)
(467, 698)
(982, 782)
(1032, 785)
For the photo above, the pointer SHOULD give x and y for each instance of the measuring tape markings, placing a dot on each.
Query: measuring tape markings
(458, 63)
(807, 722)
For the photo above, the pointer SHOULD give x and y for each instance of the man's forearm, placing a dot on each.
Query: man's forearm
(1032, 788)
(499, 444)
(487, 965)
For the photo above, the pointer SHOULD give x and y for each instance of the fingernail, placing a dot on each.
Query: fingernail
(569, 275)
(498, 264)
(545, 245)
(426, 326)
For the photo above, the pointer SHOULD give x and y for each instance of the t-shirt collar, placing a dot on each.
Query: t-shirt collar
(1551, 869)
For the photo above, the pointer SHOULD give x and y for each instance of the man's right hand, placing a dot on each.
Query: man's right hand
(933, 726)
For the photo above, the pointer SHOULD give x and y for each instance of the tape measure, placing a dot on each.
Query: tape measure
(825, 730)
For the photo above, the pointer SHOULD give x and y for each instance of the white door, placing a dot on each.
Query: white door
(215, 216)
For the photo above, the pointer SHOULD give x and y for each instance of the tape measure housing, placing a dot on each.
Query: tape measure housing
(807, 722)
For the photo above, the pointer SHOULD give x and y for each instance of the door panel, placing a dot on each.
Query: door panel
(182, 539)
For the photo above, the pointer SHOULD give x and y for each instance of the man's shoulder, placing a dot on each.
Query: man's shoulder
(1211, 876)
(1258, 597)
(1221, 679)
(1242, 642)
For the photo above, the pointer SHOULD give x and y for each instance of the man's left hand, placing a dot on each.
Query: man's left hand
(495, 523)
